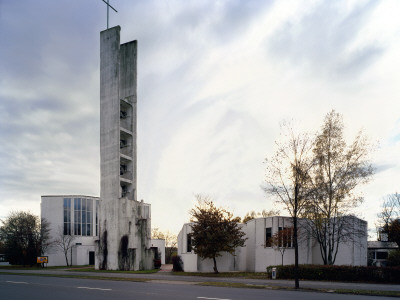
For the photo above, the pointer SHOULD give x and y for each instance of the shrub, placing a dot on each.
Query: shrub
(339, 273)
(394, 258)
(177, 263)
(157, 263)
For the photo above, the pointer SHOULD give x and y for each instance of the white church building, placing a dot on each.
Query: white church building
(78, 216)
(258, 253)
(112, 232)
(74, 215)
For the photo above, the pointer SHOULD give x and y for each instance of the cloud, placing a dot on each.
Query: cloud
(323, 39)
(215, 78)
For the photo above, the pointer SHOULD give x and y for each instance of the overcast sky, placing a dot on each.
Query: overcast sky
(215, 80)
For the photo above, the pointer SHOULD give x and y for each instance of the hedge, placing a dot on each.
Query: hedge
(339, 273)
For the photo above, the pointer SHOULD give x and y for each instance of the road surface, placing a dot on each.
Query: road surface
(54, 288)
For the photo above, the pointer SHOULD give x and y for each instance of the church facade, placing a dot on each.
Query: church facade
(112, 232)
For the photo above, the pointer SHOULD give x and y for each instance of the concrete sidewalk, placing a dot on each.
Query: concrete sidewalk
(169, 277)
(166, 268)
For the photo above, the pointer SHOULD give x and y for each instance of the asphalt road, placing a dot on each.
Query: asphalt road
(52, 288)
(193, 279)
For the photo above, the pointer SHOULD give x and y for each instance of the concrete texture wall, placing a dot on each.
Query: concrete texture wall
(193, 263)
(125, 223)
(160, 245)
(256, 256)
(52, 210)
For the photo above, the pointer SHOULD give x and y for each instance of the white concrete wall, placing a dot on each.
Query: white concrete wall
(353, 251)
(160, 245)
(52, 211)
(121, 220)
(193, 263)
(255, 256)
(189, 259)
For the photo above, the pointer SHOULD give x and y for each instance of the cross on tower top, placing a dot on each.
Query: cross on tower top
(108, 5)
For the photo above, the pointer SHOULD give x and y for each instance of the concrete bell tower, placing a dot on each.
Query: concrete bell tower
(124, 223)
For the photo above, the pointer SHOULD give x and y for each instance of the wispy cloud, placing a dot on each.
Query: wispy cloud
(214, 81)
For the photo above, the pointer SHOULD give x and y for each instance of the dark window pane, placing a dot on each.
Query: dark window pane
(268, 235)
(381, 255)
(189, 243)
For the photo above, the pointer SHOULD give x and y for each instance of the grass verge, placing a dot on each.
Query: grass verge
(17, 267)
(249, 275)
(76, 269)
(80, 277)
(91, 269)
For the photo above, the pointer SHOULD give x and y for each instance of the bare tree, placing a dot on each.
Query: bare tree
(171, 242)
(65, 242)
(338, 169)
(282, 240)
(265, 213)
(287, 178)
(389, 219)
(46, 241)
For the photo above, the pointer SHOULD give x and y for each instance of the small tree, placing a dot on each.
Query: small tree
(214, 230)
(65, 242)
(389, 218)
(24, 237)
(282, 240)
(46, 241)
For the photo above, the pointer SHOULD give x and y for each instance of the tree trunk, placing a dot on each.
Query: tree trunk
(66, 258)
(296, 254)
(215, 266)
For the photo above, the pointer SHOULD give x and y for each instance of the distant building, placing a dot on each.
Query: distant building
(378, 252)
(258, 253)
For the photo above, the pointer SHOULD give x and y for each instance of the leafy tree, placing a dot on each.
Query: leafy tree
(282, 240)
(389, 219)
(338, 169)
(65, 242)
(394, 232)
(265, 213)
(46, 241)
(394, 258)
(287, 178)
(24, 237)
(214, 230)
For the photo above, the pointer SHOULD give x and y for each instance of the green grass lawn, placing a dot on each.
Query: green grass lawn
(91, 269)
(18, 267)
(86, 268)
(250, 275)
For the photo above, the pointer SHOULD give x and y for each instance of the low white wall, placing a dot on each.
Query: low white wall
(189, 261)
(160, 245)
